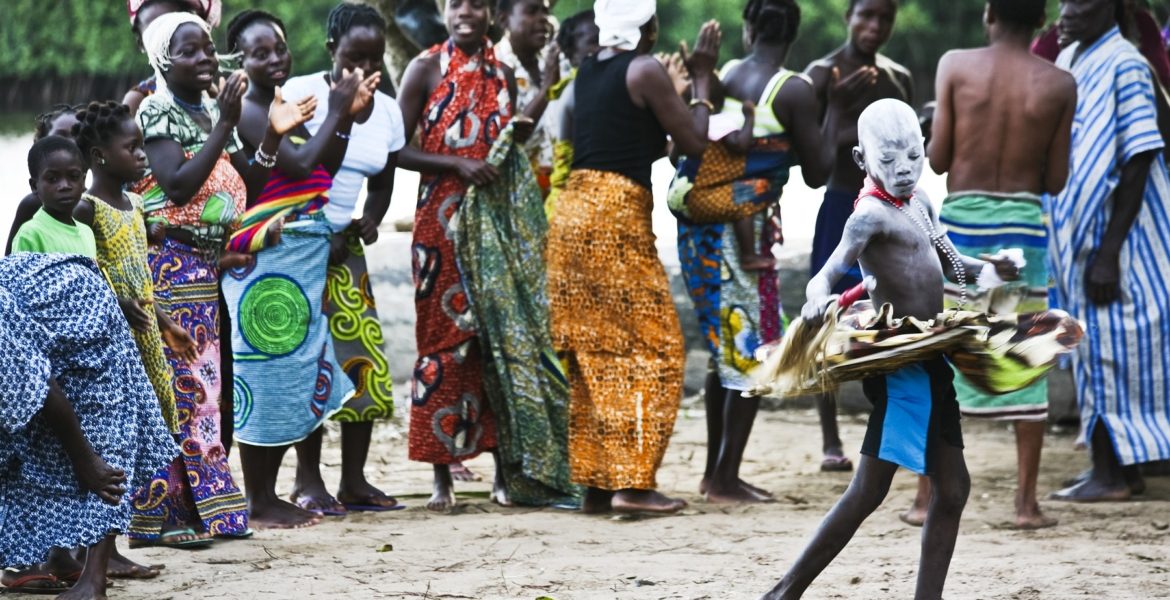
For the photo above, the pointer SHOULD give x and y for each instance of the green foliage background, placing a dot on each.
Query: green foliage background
(77, 39)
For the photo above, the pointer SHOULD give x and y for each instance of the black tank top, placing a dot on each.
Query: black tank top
(610, 133)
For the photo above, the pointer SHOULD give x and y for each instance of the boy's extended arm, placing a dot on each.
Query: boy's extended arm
(861, 227)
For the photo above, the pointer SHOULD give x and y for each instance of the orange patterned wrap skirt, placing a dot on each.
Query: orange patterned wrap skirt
(616, 329)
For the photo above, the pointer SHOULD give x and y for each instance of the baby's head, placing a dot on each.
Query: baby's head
(890, 146)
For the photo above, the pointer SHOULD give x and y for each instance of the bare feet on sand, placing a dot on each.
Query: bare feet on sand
(758, 491)
(500, 491)
(914, 516)
(121, 567)
(278, 514)
(1030, 517)
(739, 493)
(649, 501)
(443, 496)
(84, 591)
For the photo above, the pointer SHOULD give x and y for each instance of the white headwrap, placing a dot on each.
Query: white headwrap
(156, 40)
(621, 21)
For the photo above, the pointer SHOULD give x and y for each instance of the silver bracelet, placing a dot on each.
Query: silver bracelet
(344, 136)
(265, 160)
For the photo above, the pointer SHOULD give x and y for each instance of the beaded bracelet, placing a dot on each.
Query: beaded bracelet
(265, 160)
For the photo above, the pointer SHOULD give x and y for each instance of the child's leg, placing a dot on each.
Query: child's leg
(92, 584)
(950, 486)
(739, 415)
(714, 398)
(832, 448)
(750, 258)
(866, 492)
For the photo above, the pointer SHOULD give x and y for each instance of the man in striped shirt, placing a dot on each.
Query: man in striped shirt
(1110, 243)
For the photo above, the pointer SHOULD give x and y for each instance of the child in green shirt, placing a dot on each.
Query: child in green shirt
(56, 171)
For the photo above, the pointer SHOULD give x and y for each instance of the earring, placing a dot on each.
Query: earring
(101, 161)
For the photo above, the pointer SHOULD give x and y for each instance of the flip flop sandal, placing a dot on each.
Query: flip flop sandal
(836, 464)
(165, 540)
(38, 583)
(314, 505)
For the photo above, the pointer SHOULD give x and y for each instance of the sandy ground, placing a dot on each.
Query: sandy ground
(1116, 551)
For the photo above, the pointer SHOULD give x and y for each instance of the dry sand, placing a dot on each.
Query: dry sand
(1114, 551)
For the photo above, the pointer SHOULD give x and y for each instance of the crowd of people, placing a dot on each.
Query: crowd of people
(189, 274)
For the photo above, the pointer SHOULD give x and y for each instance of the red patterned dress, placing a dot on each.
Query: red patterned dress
(450, 419)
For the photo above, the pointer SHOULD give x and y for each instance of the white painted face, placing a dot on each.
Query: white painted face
(890, 149)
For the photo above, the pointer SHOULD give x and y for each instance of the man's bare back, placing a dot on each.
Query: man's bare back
(1002, 123)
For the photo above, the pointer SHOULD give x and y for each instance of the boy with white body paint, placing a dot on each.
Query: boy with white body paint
(896, 236)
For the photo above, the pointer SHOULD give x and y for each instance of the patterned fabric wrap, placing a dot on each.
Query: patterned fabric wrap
(61, 320)
(122, 257)
(287, 378)
(198, 487)
(614, 323)
(1122, 373)
(282, 197)
(985, 223)
(723, 186)
(739, 311)
(500, 244)
(213, 211)
(996, 353)
(559, 178)
(357, 336)
(463, 117)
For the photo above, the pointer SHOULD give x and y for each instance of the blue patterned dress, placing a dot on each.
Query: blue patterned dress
(58, 318)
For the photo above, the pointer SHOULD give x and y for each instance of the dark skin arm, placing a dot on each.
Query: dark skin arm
(942, 133)
(1103, 276)
(1056, 166)
(812, 142)
(379, 189)
(135, 312)
(326, 148)
(650, 86)
(181, 178)
(418, 82)
(550, 76)
(29, 205)
(93, 474)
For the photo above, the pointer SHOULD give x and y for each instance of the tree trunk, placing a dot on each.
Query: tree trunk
(399, 49)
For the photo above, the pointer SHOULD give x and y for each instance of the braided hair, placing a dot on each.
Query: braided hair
(97, 123)
(346, 16)
(45, 147)
(241, 22)
(44, 121)
(774, 21)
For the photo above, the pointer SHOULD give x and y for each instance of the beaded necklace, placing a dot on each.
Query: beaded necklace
(199, 108)
(927, 226)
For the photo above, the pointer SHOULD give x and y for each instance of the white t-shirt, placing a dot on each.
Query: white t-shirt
(370, 144)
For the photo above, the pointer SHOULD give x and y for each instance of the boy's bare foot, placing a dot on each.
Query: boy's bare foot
(597, 501)
(279, 514)
(460, 472)
(757, 262)
(758, 491)
(632, 500)
(914, 516)
(443, 496)
(1092, 490)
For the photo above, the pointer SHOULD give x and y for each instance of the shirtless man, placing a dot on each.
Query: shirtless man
(870, 24)
(1002, 126)
(897, 238)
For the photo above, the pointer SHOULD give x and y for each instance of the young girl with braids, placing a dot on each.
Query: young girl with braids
(198, 184)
